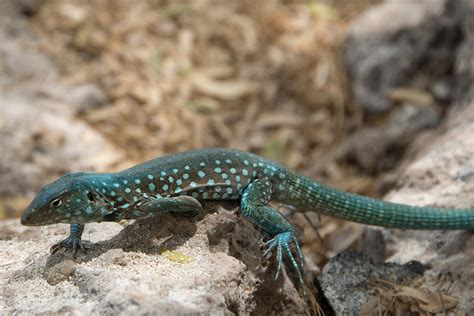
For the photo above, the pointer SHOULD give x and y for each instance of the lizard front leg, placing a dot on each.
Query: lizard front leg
(73, 242)
(254, 206)
(148, 207)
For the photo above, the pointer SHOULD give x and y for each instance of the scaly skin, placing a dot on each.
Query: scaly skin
(176, 183)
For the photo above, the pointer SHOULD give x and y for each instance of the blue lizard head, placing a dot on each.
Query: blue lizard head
(69, 200)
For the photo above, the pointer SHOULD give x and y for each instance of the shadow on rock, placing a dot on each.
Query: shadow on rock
(150, 236)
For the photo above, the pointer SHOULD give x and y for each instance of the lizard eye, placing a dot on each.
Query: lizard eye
(56, 202)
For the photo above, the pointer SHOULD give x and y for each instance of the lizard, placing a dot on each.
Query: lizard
(180, 182)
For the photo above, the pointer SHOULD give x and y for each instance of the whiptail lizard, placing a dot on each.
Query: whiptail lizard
(176, 183)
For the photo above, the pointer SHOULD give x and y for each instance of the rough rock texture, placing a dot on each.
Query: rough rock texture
(400, 44)
(36, 113)
(123, 272)
(464, 66)
(379, 148)
(401, 57)
(442, 175)
(348, 279)
(38, 143)
(392, 46)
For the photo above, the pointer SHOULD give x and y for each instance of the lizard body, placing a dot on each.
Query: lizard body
(178, 182)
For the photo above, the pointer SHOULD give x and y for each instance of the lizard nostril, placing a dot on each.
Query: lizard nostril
(26, 217)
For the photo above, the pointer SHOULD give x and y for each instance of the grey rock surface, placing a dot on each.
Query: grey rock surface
(348, 279)
(215, 267)
(379, 148)
(400, 44)
(39, 142)
(442, 176)
(383, 49)
(464, 65)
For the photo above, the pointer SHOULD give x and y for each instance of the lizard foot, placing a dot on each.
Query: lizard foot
(282, 243)
(70, 244)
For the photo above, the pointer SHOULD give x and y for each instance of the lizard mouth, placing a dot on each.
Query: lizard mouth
(29, 219)
(34, 217)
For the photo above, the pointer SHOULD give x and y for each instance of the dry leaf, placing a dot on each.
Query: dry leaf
(377, 305)
(278, 120)
(428, 301)
(226, 90)
(400, 300)
(410, 95)
(176, 256)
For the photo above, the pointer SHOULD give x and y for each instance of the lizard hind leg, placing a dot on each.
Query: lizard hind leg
(254, 207)
(178, 204)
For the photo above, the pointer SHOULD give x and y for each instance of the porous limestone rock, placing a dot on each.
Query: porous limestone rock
(163, 265)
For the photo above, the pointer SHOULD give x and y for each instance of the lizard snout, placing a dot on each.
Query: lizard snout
(25, 218)
(28, 217)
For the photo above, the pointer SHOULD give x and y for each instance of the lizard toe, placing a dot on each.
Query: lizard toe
(72, 244)
(282, 242)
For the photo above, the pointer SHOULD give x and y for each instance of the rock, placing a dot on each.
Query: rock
(40, 143)
(399, 44)
(348, 279)
(20, 59)
(379, 148)
(23, 64)
(59, 267)
(29, 7)
(79, 99)
(87, 97)
(464, 66)
(442, 173)
(442, 176)
(127, 271)
(12, 21)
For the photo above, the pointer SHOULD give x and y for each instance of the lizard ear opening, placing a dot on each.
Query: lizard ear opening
(91, 196)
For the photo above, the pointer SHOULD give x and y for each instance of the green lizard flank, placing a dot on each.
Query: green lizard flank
(176, 183)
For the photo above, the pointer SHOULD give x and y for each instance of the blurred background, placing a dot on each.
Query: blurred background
(338, 90)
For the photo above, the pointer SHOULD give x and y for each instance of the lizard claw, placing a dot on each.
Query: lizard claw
(70, 244)
(282, 243)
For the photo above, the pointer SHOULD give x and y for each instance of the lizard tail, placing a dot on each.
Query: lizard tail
(312, 196)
